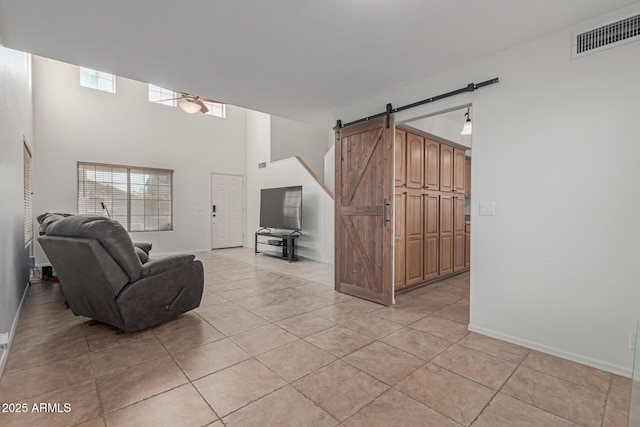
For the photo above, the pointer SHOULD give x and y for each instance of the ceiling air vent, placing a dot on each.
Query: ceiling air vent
(605, 37)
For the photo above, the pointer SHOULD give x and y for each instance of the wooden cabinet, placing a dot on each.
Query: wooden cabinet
(400, 238)
(415, 161)
(467, 246)
(446, 167)
(467, 177)
(431, 164)
(414, 243)
(401, 157)
(431, 238)
(458, 233)
(446, 234)
(431, 235)
(458, 170)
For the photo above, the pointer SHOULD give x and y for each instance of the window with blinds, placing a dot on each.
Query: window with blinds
(141, 199)
(28, 195)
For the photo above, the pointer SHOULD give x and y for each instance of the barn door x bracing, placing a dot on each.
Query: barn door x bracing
(364, 210)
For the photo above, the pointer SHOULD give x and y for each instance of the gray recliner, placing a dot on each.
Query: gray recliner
(103, 278)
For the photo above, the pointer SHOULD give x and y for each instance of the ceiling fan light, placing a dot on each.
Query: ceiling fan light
(467, 129)
(189, 106)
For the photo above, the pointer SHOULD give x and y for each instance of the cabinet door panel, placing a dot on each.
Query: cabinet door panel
(446, 167)
(431, 164)
(415, 161)
(458, 232)
(446, 234)
(458, 170)
(458, 214)
(414, 247)
(400, 242)
(401, 157)
(467, 177)
(446, 213)
(458, 252)
(446, 251)
(467, 252)
(431, 238)
(432, 253)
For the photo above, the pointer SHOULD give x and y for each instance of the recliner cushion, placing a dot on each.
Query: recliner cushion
(111, 234)
(142, 255)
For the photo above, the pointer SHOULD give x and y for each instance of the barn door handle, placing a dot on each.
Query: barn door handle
(385, 220)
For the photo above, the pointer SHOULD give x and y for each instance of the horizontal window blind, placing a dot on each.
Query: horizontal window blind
(28, 195)
(141, 199)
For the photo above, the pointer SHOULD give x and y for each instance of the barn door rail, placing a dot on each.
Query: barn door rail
(390, 110)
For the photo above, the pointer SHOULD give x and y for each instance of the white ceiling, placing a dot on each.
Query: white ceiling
(300, 59)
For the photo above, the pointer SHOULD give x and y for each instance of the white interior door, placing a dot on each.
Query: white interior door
(227, 209)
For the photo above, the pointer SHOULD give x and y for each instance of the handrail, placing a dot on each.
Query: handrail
(313, 174)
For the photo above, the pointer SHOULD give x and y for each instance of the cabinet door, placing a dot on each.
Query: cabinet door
(446, 234)
(458, 170)
(401, 157)
(414, 247)
(399, 235)
(458, 233)
(431, 238)
(431, 164)
(467, 252)
(415, 161)
(446, 167)
(467, 177)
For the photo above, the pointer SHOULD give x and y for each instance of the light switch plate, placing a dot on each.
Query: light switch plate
(488, 208)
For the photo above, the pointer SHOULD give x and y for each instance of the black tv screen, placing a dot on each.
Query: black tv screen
(281, 208)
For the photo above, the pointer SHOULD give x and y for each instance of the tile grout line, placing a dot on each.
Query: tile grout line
(189, 381)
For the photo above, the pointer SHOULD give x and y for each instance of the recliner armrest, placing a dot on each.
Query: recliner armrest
(160, 265)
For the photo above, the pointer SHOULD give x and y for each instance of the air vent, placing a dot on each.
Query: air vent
(605, 37)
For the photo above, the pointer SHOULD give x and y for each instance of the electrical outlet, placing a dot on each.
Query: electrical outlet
(4, 340)
(632, 340)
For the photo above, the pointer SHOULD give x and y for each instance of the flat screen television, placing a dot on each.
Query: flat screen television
(281, 208)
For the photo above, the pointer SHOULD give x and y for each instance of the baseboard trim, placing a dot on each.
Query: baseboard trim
(4, 355)
(594, 363)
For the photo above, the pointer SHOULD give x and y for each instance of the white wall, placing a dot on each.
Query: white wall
(317, 206)
(74, 123)
(330, 168)
(291, 138)
(556, 146)
(16, 122)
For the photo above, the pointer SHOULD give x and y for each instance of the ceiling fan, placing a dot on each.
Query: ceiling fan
(190, 103)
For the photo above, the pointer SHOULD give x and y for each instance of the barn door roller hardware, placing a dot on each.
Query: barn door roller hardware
(469, 88)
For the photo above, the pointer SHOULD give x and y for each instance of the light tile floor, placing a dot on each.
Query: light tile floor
(273, 345)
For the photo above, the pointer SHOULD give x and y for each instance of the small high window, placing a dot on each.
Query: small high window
(216, 109)
(162, 96)
(97, 80)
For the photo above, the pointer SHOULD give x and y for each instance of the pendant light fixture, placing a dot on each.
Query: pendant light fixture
(467, 128)
(188, 106)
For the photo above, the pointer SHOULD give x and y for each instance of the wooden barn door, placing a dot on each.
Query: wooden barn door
(363, 224)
